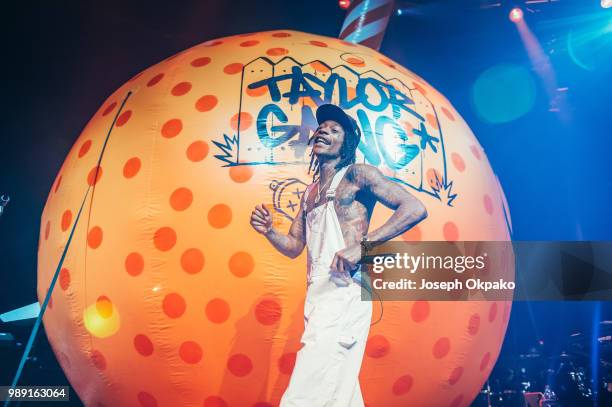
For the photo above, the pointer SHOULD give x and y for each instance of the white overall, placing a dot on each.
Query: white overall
(337, 320)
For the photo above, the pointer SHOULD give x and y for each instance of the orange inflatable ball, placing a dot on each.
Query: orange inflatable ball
(167, 296)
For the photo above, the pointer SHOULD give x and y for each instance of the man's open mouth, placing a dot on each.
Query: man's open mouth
(321, 140)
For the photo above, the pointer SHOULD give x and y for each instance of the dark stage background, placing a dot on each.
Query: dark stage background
(62, 59)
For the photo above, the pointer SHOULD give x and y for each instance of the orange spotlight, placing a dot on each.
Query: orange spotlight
(516, 15)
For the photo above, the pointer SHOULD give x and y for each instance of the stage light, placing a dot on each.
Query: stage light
(344, 3)
(516, 15)
(606, 3)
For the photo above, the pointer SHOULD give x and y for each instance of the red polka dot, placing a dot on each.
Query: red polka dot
(485, 361)
(172, 128)
(94, 237)
(190, 352)
(241, 173)
(206, 103)
(134, 264)
(281, 35)
(434, 179)
(143, 345)
(476, 151)
(131, 167)
(388, 63)
(260, 91)
(451, 232)
(319, 66)
(492, 312)
(431, 119)
(123, 118)
(104, 306)
(241, 121)
(268, 312)
(192, 261)
(286, 363)
(473, 324)
(458, 162)
(47, 230)
(402, 385)
(377, 346)
(419, 87)
(181, 199)
(181, 88)
(164, 238)
(318, 43)
(146, 399)
(84, 148)
(66, 220)
(455, 375)
(233, 69)
(174, 305)
(214, 401)
(488, 204)
(262, 404)
(241, 264)
(197, 151)
(420, 311)
(448, 114)
(109, 108)
(155, 80)
(456, 401)
(219, 216)
(94, 175)
(64, 278)
(57, 185)
(200, 62)
(441, 348)
(217, 310)
(249, 43)
(356, 61)
(275, 52)
(98, 359)
(239, 365)
(212, 43)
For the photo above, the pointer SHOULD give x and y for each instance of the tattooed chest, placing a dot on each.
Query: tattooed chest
(353, 214)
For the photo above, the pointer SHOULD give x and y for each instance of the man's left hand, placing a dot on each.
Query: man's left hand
(346, 259)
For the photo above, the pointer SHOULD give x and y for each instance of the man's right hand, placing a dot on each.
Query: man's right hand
(261, 220)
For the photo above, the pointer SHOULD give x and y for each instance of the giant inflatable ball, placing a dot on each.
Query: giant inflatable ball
(167, 297)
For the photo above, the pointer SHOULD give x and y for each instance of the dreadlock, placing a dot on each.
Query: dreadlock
(348, 152)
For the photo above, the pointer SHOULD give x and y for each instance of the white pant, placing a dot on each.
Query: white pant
(337, 323)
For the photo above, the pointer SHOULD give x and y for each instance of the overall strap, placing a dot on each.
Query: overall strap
(331, 192)
(306, 192)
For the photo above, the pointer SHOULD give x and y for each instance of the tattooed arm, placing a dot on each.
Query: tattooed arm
(408, 210)
(292, 244)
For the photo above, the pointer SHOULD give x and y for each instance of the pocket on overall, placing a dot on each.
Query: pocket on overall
(357, 322)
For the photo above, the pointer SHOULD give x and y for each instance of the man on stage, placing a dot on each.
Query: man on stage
(332, 221)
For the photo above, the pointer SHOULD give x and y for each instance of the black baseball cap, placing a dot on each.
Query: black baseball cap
(335, 113)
